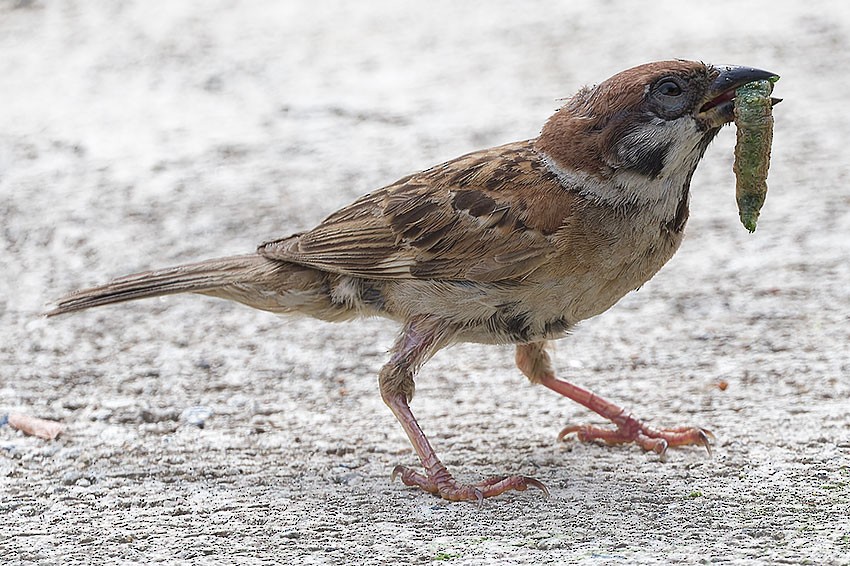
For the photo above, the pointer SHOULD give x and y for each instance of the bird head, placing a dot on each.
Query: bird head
(638, 136)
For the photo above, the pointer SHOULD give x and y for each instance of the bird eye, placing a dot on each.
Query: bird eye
(669, 88)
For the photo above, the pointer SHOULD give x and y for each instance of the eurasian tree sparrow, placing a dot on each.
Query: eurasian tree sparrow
(514, 244)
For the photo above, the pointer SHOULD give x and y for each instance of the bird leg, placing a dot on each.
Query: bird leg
(534, 362)
(419, 340)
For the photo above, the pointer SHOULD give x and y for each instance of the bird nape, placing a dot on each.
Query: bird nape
(510, 245)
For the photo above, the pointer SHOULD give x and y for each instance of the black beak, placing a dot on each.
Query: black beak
(731, 77)
(722, 90)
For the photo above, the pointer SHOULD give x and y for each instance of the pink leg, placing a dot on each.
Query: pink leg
(437, 479)
(534, 362)
(418, 341)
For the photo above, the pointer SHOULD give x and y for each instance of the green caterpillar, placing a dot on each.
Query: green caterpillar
(754, 120)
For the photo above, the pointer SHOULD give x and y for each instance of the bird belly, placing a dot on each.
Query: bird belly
(544, 306)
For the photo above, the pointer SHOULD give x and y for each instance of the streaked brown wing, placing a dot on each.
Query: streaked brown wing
(457, 221)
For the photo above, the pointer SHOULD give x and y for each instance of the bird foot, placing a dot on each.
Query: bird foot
(630, 429)
(444, 485)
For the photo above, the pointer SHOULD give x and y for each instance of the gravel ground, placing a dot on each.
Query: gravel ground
(142, 134)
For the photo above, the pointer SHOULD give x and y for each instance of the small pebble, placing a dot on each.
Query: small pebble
(71, 478)
(196, 416)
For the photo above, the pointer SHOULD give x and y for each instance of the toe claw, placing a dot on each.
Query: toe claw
(704, 437)
(397, 471)
(479, 498)
(531, 482)
(567, 431)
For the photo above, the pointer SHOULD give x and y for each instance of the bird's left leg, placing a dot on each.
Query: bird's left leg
(419, 340)
(533, 360)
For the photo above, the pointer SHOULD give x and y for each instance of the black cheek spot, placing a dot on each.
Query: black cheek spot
(650, 161)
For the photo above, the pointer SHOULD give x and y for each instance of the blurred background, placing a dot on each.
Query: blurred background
(141, 134)
(237, 114)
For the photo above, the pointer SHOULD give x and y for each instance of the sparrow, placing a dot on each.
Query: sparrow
(510, 245)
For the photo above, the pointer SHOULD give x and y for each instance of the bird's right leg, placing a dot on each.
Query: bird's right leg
(534, 362)
(419, 340)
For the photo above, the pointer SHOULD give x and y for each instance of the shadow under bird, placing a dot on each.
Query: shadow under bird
(510, 245)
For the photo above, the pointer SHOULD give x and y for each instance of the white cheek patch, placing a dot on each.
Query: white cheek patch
(657, 161)
(685, 149)
(643, 151)
(659, 148)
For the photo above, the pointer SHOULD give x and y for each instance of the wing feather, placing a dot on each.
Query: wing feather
(462, 220)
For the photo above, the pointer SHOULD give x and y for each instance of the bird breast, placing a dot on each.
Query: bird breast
(601, 254)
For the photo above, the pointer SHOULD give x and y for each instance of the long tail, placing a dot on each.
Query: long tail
(199, 277)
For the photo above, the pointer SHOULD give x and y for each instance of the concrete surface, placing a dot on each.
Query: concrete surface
(143, 134)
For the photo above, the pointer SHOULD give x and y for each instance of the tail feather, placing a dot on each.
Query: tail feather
(192, 278)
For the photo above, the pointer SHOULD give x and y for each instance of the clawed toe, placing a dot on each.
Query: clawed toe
(631, 430)
(445, 486)
(705, 438)
(500, 484)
